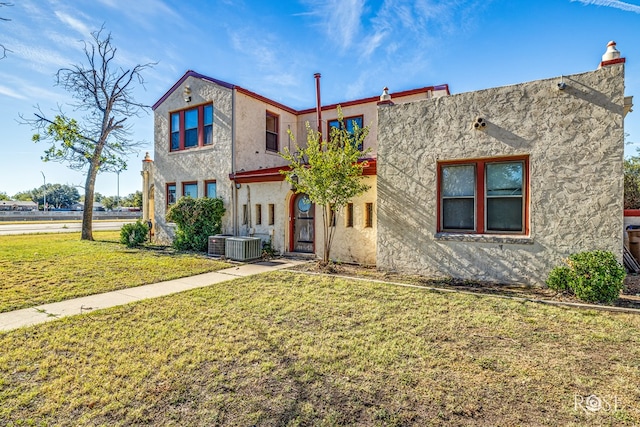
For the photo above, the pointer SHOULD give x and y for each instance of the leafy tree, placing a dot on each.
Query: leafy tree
(632, 182)
(196, 220)
(133, 200)
(108, 202)
(3, 196)
(99, 140)
(328, 172)
(24, 196)
(61, 196)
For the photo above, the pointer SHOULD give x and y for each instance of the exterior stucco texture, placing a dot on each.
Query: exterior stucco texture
(574, 140)
(196, 164)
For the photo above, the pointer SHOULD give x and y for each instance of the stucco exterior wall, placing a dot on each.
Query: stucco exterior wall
(198, 163)
(574, 140)
(355, 244)
(251, 152)
(265, 193)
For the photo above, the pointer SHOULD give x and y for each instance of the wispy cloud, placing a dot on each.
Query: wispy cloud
(73, 23)
(611, 3)
(340, 19)
(258, 47)
(144, 13)
(11, 93)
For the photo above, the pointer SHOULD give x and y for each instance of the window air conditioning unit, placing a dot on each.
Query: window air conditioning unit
(243, 248)
(217, 244)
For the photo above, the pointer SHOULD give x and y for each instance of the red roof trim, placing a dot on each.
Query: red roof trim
(273, 174)
(191, 73)
(377, 98)
(613, 61)
(266, 100)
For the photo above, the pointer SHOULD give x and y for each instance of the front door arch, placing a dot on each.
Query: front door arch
(302, 224)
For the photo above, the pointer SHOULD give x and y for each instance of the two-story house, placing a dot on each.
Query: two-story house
(499, 184)
(215, 139)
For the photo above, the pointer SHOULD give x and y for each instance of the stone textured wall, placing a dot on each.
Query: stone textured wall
(574, 140)
(195, 164)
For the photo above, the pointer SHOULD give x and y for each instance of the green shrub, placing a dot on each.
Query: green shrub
(196, 220)
(594, 276)
(559, 279)
(134, 234)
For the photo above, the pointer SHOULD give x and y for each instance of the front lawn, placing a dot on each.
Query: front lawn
(42, 268)
(291, 349)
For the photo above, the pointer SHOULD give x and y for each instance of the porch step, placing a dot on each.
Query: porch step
(299, 255)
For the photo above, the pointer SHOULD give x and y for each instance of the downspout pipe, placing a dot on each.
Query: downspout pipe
(318, 103)
(234, 190)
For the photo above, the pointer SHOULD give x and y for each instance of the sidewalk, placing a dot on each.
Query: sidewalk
(47, 312)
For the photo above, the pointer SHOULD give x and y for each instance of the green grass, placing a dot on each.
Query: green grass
(290, 349)
(43, 268)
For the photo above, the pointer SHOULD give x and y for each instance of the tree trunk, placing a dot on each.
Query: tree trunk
(87, 214)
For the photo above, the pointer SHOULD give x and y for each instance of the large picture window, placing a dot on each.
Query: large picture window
(483, 196)
(191, 128)
(350, 124)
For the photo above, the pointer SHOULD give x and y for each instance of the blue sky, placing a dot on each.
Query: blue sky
(274, 48)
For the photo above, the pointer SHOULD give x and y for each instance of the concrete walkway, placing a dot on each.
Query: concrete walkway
(47, 312)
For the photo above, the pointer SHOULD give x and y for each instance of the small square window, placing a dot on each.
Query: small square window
(368, 215)
(272, 213)
(349, 215)
(258, 214)
(190, 189)
(210, 190)
(171, 194)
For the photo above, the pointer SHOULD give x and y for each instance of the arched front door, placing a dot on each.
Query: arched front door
(303, 224)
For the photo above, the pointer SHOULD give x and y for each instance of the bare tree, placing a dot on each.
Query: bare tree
(3, 49)
(100, 139)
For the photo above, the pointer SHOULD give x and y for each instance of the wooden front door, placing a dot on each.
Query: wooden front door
(303, 224)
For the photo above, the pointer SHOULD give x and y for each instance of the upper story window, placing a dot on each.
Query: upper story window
(208, 124)
(191, 128)
(272, 131)
(484, 196)
(350, 124)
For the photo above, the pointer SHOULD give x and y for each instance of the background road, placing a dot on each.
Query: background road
(58, 227)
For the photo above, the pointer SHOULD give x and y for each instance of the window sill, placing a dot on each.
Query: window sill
(485, 238)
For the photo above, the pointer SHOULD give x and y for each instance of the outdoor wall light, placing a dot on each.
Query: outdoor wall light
(238, 185)
(562, 85)
(479, 123)
(187, 94)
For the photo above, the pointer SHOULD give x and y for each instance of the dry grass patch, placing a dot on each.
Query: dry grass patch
(291, 349)
(43, 268)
